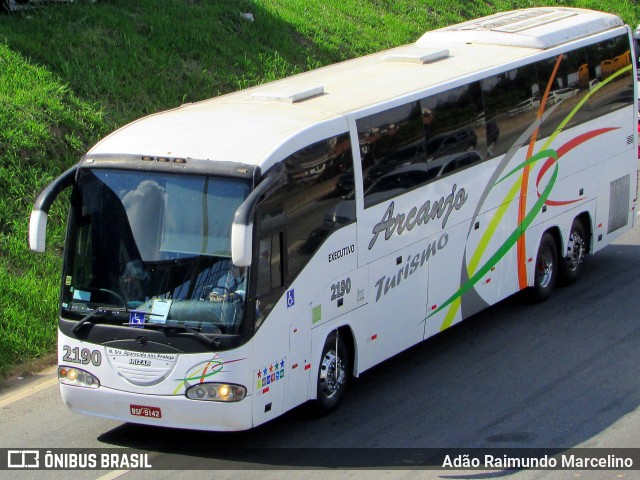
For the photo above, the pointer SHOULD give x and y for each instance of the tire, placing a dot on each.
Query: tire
(333, 374)
(546, 269)
(572, 265)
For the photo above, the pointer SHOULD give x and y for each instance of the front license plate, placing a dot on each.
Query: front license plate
(142, 411)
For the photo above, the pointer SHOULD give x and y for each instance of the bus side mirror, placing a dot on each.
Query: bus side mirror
(38, 230)
(38, 220)
(241, 244)
(242, 226)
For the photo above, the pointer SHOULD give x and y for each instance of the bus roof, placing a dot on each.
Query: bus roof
(251, 126)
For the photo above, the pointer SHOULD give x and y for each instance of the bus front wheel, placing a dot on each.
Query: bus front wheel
(546, 268)
(333, 374)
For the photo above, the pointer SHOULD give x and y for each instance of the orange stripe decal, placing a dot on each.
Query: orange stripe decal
(524, 186)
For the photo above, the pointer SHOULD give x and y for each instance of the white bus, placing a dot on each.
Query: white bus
(231, 259)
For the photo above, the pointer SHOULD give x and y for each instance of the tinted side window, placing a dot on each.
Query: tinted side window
(511, 100)
(454, 126)
(613, 88)
(294, 219)
(270, 262)
(408, 146)
(568, 86)
(319, 199)
(392, 144)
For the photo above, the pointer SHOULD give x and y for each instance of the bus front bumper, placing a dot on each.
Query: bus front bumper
(175, 411)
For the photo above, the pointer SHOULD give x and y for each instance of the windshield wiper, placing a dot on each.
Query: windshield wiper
(209, 342)
(90, 317)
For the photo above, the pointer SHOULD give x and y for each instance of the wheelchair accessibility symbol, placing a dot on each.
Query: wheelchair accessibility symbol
(136, 318)
(291, 299)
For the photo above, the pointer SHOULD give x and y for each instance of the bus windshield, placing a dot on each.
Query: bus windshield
(156, 247)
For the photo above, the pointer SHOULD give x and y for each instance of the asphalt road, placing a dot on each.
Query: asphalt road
(559, 374)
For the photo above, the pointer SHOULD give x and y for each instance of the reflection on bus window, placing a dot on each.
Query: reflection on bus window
(612, 89)
(453, 122)
(566, 78)
(320, 178)
(511, 100)
(408, 146)
(388, 141)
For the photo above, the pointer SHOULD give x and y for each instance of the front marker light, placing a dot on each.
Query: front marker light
(77, 378)
(216, 392)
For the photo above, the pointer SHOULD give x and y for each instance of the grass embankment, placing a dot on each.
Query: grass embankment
(69, 74)
(43, 126)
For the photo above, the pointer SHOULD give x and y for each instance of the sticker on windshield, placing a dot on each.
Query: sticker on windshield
(136, 318)
(81, 295)
(159, 310)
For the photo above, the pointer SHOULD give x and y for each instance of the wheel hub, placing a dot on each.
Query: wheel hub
(576, 251)
(332, 374)
(544, 267)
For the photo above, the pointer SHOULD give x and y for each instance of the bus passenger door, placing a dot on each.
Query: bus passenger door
(271, 345)
(285, 346)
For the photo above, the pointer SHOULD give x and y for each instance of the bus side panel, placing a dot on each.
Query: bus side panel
(445, 274)
(476, 266)
(490, 257)
(597, 143)
(284, 362)
(616, 200)
(391, 226)
(399, 240)
(479, 265)
(271, 364)
(326, 289)
(617, 173)
(398, 294)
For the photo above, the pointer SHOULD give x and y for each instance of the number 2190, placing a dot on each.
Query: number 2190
(340, 289)
(83, 356)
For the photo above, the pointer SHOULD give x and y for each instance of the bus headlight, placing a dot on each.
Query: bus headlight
(76, 377)
(216, 392)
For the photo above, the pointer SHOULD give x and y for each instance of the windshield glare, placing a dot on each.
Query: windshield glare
(155, 243)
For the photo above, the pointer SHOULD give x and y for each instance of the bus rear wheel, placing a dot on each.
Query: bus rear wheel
(546, 268)
(572, 265)
(333, 374)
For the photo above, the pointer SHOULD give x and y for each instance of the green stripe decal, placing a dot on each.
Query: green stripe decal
(475, 276)
(506, 246)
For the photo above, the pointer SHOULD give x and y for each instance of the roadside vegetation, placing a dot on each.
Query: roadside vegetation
(70, 74)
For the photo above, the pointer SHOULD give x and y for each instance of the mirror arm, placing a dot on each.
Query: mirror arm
(242, 227)
(38, 220)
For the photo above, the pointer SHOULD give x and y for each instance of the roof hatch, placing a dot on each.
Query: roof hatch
(415, 54)
(288, 94)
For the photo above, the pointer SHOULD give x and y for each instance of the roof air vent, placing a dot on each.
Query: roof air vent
(414, 54)
(288, 95)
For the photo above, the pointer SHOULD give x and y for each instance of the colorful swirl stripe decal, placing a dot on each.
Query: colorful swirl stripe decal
(493, 225)
(522, 206)
(201, 371)
(524, 221)
(504, 248)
